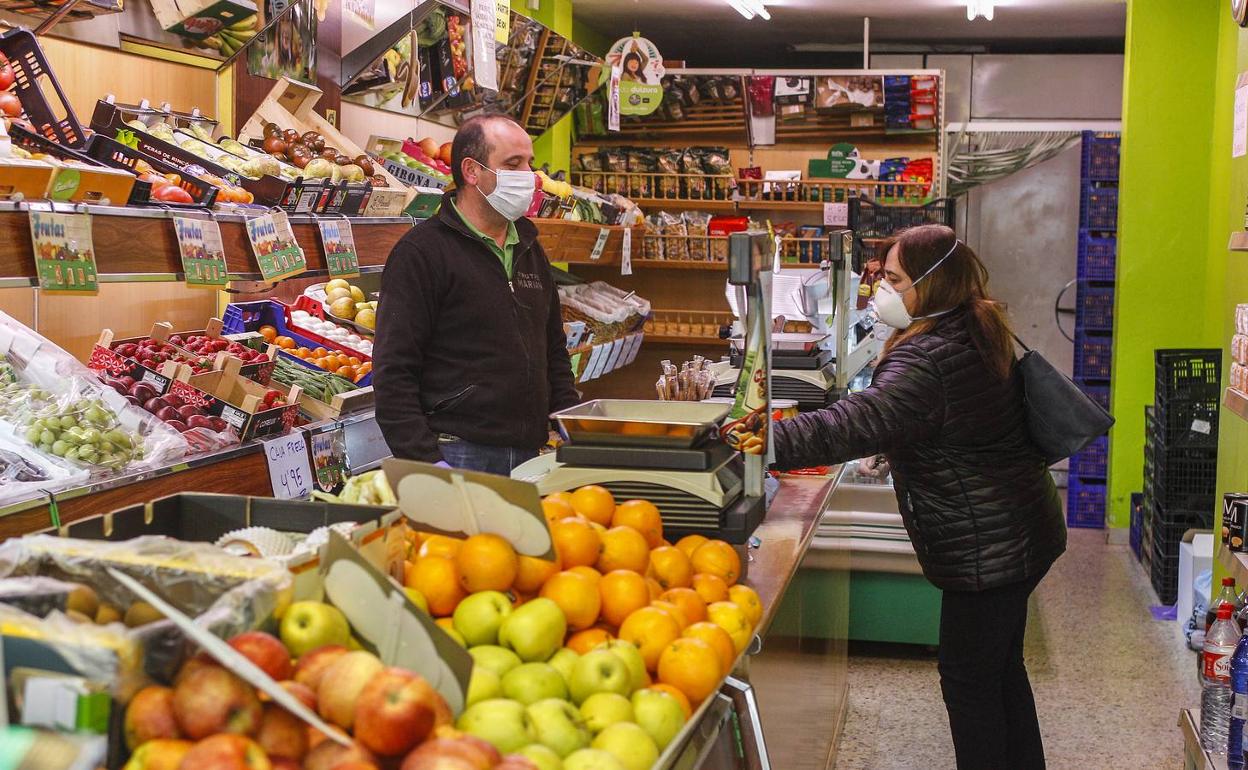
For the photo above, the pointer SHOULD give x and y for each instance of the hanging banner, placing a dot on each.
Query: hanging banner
(64, 253)
(613, 100)
(484, 32)
(338, 243)
(502, 21)
(273, 242)
(203, 255)
(640, 75)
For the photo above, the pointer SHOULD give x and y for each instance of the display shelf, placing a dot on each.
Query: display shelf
(684, 204)
(676, 339)
(566, 240)
(682, 264)
(1237, 402)
(1195, 756)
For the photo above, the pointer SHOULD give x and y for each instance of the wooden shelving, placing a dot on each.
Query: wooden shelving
(1237, 402)
(684, 204)
(681, 264)
(674, 339)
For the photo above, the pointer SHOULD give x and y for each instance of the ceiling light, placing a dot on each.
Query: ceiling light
(750, 8)
(979, 9)
(739, 7)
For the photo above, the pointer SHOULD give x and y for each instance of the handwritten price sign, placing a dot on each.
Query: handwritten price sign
(289, 470)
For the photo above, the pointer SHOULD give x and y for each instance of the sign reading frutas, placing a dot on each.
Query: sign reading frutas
(203, 255)
(339, 245)
(273, 242)
(64, 254)
(640, 75)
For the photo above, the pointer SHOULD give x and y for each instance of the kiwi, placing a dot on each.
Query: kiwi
(142, 613)
(83, 600)
(106, 614)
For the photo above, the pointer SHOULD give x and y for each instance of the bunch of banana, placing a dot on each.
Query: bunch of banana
(238, 34)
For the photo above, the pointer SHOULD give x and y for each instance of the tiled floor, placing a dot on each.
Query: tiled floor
(1109, 680)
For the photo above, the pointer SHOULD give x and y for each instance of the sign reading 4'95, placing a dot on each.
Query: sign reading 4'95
(273, 242)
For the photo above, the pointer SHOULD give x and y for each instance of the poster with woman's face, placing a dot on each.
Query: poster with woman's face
(290, 48)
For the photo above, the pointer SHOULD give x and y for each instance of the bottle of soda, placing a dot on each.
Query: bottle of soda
(1215, 694)
(1239, 704)
(1225, 596)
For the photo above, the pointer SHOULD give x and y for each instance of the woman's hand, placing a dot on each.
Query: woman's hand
(875, 466)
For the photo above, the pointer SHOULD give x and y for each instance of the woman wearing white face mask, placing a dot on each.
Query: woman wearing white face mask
(945, 408)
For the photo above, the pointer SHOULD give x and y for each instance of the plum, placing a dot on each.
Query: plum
(134, 401)
(128, 381)
(155, 404)
(168, 414)
(178, 425)
(187, 411)
(143, 391)
(174, 400)
(202, 421)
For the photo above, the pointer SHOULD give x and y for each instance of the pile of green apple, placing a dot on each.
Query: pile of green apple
(531, 696)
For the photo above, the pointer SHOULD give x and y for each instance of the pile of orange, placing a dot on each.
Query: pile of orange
(615, 577)
(340, 364)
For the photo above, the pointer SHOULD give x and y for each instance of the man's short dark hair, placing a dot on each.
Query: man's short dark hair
(470, 142)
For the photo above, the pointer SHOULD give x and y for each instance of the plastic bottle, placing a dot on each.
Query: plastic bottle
(1225, 596)
(1239, 704)
(1215, 695)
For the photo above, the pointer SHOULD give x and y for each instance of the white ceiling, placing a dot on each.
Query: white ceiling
(711, 33)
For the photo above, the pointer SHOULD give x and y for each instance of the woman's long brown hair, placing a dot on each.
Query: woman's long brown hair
(960, 281)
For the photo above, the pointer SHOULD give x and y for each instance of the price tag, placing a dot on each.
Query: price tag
(289, 470)
(339, 244)
(615, 356)
(273, 242)
(1202, 426)
(329, 458)
(836, 214)
(595, 363)
(502, 21)
(576, 365)
(600, 244)
(634, 346)
(626, 258)
(64, 253)
(203, 254)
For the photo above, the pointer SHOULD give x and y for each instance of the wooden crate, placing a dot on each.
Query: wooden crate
(565, 240)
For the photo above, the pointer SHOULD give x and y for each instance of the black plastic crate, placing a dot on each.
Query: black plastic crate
(1184, 424)
(870, 219)
(1188, 374)
(113, 153)
(1094, 307)
(34, 82)
(1100, 157)
(1165, 579)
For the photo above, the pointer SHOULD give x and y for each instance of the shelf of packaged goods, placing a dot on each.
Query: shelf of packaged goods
(682, 264)
(1196, 757)
(684, 204)
(676, 339)
(1237, 402)
(135, 244)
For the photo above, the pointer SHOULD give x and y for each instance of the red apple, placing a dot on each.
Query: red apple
(312, 666)
(304, 694)
(225, 752)
(212, 700)
(159, 754)
(192, 665)
(281, 733)
(474, 753)
(395, 711)
(355, 764)
(341, 686)
(330, 755)
(516, 762)
(266, 651)
(282, 763)
(149, 715)
(444, 152)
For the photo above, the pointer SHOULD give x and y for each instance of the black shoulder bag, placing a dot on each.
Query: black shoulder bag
(1060, 418)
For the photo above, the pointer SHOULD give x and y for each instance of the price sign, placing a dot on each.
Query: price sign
(64, 253)
(289, 470)
(626, 258)
(600, 244)
(339, 245)
(273, 242)
(836, 214)
(484, 32)
(329, 455)
(203, 254)
(502, 21)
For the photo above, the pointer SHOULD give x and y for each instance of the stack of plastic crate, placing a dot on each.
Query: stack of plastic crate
(1094, 318)
(1180, 459)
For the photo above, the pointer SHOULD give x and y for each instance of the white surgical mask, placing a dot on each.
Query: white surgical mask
(513, 192)
(889, 306)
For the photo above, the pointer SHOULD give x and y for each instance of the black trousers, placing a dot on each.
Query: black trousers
(992, 713)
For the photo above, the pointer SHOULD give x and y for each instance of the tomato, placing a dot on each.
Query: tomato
(10, 105)
(6, 74)
(171, 194)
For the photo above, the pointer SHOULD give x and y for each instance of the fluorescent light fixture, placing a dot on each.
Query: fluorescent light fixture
(976, 9)
(750, 8)
(740, 7)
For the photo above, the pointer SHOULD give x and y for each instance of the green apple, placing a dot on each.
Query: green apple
(483, 685)
(495, 658)
(417, 598)
(591, 759)
(600, 671)
(530, 682)
(456, 637)
(545, 758)
(478, 617)
(308, 625)
(659, 714)
(534, 630)
(628, 743)
(502, 722)
(563, 661)
(558, 726)
(628, 652)
(603, 709)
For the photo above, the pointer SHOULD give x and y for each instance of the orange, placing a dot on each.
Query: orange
(531, 573)
(446, 624)
(594, 503)
(650, 629)
(711, 588)
(623, 548)
(747, 599)
(623, 593)
(346, 371)
(688, 601)
(642, 516)
(576, 542)
(673, 610)
(486, 562)
(732, 619)
(555, 509)
(589, 572)
(583, 641)
(564, 496)
(719, 640)
(691, 666)
(656, 590)
(670, 567)
(437, 578)
(680, 697)
(577, 596)
(690, 543)
(439, 545)
(717, 558)
(268, 332)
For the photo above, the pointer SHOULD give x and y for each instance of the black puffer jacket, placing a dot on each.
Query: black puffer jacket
(976, 497)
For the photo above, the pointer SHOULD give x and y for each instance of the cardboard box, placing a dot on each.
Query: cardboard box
(198, 19)
(238, 400)
(24, 179)
(104, 354)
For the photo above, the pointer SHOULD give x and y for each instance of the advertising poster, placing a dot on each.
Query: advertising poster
(203, 256)
(640, 75)
(64, 252)
(273, 242)
(339, 245)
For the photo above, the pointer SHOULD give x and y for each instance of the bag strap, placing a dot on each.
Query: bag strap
(1021, 344)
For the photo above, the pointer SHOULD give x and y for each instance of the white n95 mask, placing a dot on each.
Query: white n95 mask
(890, 307)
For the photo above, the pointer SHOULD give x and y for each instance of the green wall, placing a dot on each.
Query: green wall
(1166, 281)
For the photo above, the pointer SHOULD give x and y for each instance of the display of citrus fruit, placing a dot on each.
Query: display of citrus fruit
(623, 592)
(564, 496)
(584, 641)
(643, 516)
(437, 579)
(439, 545)
(688, 601)
(715, 557)
(555, 509)
(531, 573)
(719, 640)
(671, 609)
(486, 562)
(732, 619)
(711, 588)
(747, 599)
(577, 596)
(588, 572)
(656, 590)
(680, 697)
(691, 666)
(623, 548)
(650, 629)
(670, 567)
(690, 543)
(594, 503)
(576, 542)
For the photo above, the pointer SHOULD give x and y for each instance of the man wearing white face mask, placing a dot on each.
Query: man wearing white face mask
(470, 356)
(945, 408)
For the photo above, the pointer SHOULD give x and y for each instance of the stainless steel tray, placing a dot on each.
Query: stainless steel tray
(621, 422)
(788, 341)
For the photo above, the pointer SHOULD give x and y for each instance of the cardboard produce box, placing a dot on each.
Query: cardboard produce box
(238, 400)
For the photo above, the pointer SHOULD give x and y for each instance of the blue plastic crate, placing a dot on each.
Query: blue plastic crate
(1085, 504)
(1137, 523)
(1094, 307)
(1100, 157)
(1098, 207)
(1093, 357)
(242, 317)
(1097, 257)
(1091, 461)
(1098, 392)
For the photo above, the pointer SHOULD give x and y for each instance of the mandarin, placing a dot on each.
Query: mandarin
(670, 567)
(643, 516)
(732, 619)
(588, 572)
(650, 629)
(584, 641)
(486, 562)
(674, 611)
(690, 543)
(623, 548)
(711, 588)
(717, 558)
(691, 666)
(594, 503)
(747, 599)
(688, 601)
(576, 542)
(531, 573)
(439, 545)
(719, 640)
(555, 509)
(438, 580)
(623, 592)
